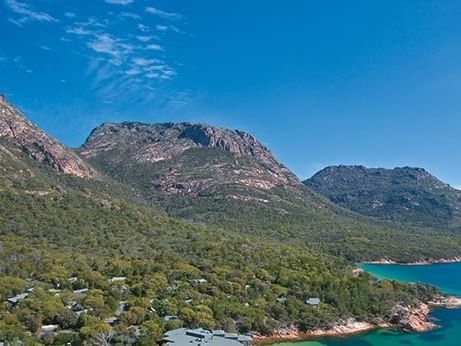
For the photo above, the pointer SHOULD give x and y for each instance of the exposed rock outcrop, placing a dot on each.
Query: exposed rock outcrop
(17, 131)
(250, 163)
(412, 319)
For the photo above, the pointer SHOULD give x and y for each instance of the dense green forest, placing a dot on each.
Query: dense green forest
(203, 278)
(60, 234)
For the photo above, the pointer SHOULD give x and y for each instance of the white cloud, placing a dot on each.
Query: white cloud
(27, 13)
(118, 60)
(167, 27)
(163, 14)
(144, 38)
(133, 72)
(143, 28)
(133, 16)
(15, 22)
(114, 47)
(161, 27)
(140, 61)
(43, 47)
(79, 31)
(156, 47)
(119, 2)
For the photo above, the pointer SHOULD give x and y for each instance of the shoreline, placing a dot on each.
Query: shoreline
(430, 261)
(415, 320)
(292, 334)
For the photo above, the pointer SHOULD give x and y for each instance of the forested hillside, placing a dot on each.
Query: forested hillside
(403, 194)
(227, 180)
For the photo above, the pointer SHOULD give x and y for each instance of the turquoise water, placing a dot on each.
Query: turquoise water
(445, 276)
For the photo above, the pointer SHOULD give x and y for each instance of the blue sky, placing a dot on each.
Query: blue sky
(320, 82)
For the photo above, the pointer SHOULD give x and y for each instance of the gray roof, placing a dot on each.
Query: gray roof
(171, 318)
(313, 301)
(208, 337)
(17, 298)
(81, 291)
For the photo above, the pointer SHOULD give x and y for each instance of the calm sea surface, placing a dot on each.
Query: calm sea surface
(445, 276)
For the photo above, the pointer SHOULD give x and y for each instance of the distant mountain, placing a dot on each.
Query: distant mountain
(405, 194)
(18, 136)
(226, 179)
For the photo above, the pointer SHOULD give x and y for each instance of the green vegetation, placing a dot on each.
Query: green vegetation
(404, 195)
(60, 234)
(282, 214)
(166, 264)
(91, 262)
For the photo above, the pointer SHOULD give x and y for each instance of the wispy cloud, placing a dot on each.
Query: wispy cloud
(112, 46)
(124, 53)
(163, 14)
(156, 47)
(130, 15)
(167, 28)
(27, 13)
(144, 38)
(139, 61)
(78, 31)
(119, 2)
(43, 47)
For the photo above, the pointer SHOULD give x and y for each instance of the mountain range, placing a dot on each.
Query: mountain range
(227, 180)
(200, 223)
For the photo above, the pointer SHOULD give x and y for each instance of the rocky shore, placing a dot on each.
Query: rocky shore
(292, 333)
(410, 319)
(421, 262)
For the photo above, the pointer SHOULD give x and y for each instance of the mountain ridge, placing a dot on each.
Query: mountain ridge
(18, 133)
(403, 194)
(226, 180)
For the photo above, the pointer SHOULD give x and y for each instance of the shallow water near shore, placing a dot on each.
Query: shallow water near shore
(445, 276)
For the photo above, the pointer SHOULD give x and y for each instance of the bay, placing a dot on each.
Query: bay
(445, 276)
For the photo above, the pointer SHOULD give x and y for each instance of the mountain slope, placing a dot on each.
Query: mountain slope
(406, 195)
(227, 180)
(60, 233)
(18, 135)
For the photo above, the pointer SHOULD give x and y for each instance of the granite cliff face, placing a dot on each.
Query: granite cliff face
(18, 135)
(187, 158)
(403, 194)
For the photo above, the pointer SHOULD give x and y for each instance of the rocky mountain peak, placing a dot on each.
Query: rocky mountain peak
(18, 132)
(192, 158)
(157, 142)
